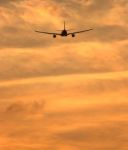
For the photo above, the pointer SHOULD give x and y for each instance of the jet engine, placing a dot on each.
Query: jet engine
(73, 35)
(54, 35)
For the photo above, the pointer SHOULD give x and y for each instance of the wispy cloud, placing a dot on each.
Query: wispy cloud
(63, 93)
(18, 24)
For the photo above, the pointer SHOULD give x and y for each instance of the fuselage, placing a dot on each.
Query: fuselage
(64, 33)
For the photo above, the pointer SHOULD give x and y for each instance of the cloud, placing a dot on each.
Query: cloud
(66, 59)
(104, 125)
(87, 109)
(21, 110)
(99, 127)
(22, 107)
(109, 133)
(63, 93)
(5, 2)
(19, 32)
(82, 85)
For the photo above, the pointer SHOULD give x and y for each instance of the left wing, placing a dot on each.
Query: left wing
(48, 33)
(80, 31)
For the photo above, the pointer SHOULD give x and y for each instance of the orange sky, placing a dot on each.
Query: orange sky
(64, 93)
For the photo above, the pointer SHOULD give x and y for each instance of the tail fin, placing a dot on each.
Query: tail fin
(64, 25)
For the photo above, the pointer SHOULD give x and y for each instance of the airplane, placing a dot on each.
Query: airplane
(64, 32)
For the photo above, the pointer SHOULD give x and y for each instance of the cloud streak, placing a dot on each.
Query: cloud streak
(64, 93)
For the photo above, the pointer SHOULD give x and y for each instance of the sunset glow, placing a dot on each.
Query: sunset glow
(64, 93)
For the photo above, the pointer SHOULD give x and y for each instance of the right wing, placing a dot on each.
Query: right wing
(48, 33)
(80, 31)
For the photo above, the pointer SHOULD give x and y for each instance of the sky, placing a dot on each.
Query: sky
(64, 93)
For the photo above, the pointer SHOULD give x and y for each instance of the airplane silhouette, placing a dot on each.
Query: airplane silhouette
(64, 32)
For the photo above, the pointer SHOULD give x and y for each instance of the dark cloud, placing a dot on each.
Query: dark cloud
(22, 107)
(9, 3)
(88, 5)
(5, 2)
(92, 128)
(17, 110)
(110, 33)
(24, 35)
(110, 134)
